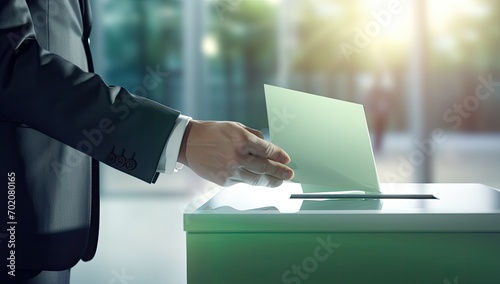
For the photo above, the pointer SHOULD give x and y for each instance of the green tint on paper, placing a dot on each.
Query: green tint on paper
(327, 140)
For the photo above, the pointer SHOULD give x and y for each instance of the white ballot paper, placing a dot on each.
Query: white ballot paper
(327, 140)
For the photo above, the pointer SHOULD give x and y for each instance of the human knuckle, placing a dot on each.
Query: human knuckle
(279, 155)
(268, 149)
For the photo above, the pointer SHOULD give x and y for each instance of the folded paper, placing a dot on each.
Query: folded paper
(327, 140)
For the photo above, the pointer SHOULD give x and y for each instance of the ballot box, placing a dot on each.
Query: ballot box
(428, 233)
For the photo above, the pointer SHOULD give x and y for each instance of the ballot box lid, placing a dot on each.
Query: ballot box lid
(453, 208)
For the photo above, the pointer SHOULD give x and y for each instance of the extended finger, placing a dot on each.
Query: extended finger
(268, 167)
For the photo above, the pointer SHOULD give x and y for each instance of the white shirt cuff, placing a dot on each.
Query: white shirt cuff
(168, 161)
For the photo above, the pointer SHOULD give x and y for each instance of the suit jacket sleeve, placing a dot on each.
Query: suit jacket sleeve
(57, 98)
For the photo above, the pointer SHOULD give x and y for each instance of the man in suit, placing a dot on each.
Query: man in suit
(58, 120)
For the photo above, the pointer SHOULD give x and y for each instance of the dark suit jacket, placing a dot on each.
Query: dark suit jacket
(56, 121)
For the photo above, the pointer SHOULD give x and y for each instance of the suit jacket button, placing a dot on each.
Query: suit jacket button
(131, 164)
(120, 161)
(111, 158)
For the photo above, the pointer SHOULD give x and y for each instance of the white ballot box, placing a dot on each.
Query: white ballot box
(411, 233)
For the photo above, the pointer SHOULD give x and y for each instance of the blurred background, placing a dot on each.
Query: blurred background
(427, 73)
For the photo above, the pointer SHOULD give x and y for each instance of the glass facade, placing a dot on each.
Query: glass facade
(417, 66)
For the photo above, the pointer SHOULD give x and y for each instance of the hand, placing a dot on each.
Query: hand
(229, 152)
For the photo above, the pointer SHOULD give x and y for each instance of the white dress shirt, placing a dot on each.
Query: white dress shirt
(168, 161)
